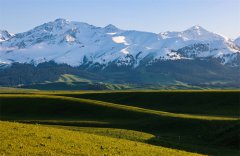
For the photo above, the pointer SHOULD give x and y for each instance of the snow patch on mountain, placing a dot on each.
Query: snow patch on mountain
(120, 39)
(69, 38)
(114, 33)
(125, 51)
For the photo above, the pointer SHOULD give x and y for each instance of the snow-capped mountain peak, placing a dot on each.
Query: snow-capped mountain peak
(196, 32)
(111, 27)
(197, 28)
(78, 43)
(199, 33)
(61, 20)
(5, 35)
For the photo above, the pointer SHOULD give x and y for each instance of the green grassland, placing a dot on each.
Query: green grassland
(23, 139)
(204, 122)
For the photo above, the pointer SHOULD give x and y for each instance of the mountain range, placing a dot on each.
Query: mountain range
(195, 56)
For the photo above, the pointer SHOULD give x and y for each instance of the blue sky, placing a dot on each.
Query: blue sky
(220, 16)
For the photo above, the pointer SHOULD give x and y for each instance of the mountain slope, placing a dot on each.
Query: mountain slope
(237, 41)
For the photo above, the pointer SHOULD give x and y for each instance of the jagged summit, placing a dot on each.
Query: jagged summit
(194, 32)
(4, 35)
(111, 27)
(198, 32)
(196, 28)
(61, 20)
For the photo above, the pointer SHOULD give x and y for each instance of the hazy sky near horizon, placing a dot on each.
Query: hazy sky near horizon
(220, 16)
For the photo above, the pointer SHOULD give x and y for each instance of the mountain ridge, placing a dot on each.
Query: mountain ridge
(77, 42)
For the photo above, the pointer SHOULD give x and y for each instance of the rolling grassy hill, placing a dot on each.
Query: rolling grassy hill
(186, 121)
(190, 102)
(73, 82)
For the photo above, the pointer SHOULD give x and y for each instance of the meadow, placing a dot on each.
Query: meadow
(119, 122)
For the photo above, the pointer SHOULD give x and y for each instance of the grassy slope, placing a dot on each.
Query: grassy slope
(68, 78)
(111, 132)
(43, 102)
(22, 139)
(73, 82)
(224, 103)
(198, 133)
